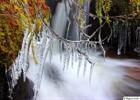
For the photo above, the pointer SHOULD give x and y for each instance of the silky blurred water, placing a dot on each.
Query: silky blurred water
(109, 80)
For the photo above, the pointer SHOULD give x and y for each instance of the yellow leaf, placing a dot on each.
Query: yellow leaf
(33, 52)
(38, 25)
(46, 16)
(81, 2)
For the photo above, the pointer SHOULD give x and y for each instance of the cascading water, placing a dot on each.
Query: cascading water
(108, 79)
(72, 76)
(59, 20)
(70, 73)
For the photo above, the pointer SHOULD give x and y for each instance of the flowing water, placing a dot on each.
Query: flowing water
(66, 75)
(109, 80)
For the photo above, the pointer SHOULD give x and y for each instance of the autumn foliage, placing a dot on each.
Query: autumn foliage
(15, 17)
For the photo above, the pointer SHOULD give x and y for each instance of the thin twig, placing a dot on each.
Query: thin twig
(96, 31)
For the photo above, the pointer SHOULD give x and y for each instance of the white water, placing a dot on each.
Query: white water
(60, 19)
(108, 80)
(108, 76)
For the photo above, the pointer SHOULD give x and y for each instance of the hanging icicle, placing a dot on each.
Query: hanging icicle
(91, 71)
(129, 34)
(95, 47)
(50, 54)
(79, 64)
(86, 47)
(40, 73)
(65, 60)
(85, 66)
(72, 55)
(137, 48)
(121, 33)
(60, 49)
(76, 56)
(67, 57)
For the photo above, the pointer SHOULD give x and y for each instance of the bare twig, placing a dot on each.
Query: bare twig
(96, 31)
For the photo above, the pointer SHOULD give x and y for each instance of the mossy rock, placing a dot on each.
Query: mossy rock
(11, 34)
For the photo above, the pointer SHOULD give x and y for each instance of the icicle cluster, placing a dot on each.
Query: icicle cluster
(71, 52)
(21, 63)
(25, 57)
(121, 32)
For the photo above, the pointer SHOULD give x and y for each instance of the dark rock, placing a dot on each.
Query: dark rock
(3, 84)
(23, 90)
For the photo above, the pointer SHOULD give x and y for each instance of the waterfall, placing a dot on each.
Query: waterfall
(59, 23)
(108, 79)
(63, 21)
(59, 20)
(74, 71)
(137, 48)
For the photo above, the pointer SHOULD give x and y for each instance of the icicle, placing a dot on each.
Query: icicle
(79, 64)
(25, 65)
(85, 66)
(137, 48)
(126, 27)
(72, 57)
(129, 33)
(75, 56)
(120, 39)
(13, 76)
(64, 62)
(7, 73)
(123, 30)
(95, 47)
(91, 71)
(45, 53)
(65, 57)
(51, 53)
(60, 49)
(118, 52)
(68, 57)
(91, 47)
(86, 47)
(115, 28)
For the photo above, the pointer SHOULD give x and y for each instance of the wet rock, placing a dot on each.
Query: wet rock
(23, 90)
(3, 84)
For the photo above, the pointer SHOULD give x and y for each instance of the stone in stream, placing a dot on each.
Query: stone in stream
(23, 90)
